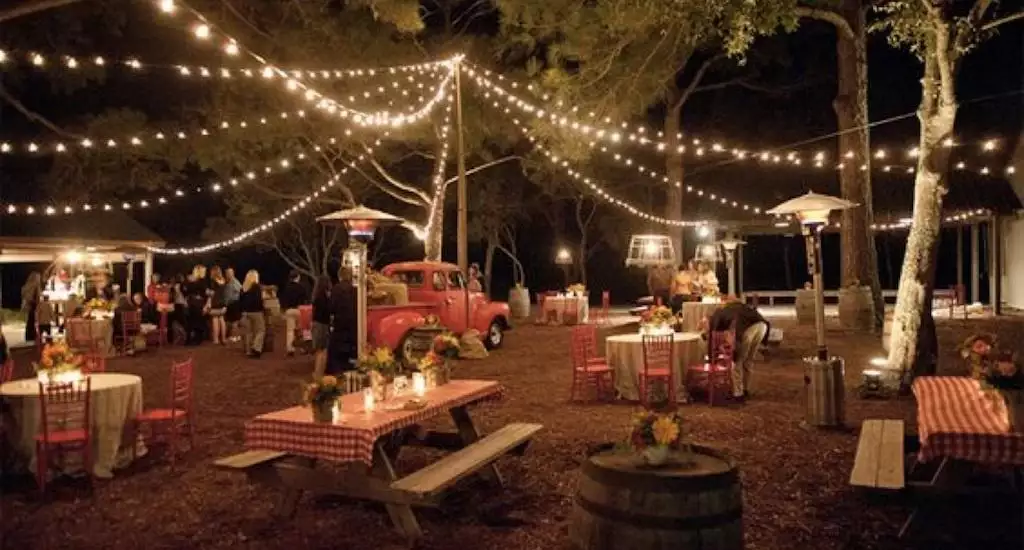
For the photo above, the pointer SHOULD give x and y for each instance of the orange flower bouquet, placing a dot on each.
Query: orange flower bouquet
(58, 364)
(655, 436)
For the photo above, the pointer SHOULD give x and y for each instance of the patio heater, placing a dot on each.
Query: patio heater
(823, 375)
(729, 245)
(361, 223)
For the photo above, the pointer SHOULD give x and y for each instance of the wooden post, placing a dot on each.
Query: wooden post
(995, 290)
(975, 263)
(463, 220)
(739, 270)
(960, 257)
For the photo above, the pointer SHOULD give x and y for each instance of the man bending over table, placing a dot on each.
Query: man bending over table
(751, 329)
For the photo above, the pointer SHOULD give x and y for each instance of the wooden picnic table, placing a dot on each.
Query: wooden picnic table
(284, 446)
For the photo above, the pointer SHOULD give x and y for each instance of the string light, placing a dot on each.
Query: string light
(385, 119)
(437, 201)
(638, 135)
(300, 205)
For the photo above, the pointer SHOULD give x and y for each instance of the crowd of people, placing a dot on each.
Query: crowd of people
(211, 304)
(687, 283)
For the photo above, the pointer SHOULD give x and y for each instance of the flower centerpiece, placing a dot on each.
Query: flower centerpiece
(58, 365)
(436, 371)
(656, 436)
(577, 289)
(380, 366)
(321, 396)
(658, 320)
(990, 366)
(447, 346)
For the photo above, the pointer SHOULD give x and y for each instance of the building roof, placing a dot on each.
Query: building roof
(109, 229)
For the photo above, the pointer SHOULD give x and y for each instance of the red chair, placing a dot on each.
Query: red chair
(93, 363)
(7, 371)
(571, 311)
(601, 315)
(131, 326)
(587, 367)
(715, 375)
(65, 424)
(79, 335)
(659, 358)
(176, 420)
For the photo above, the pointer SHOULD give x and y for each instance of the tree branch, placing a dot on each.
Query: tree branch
(484, 166)
(1002, 20)
(234, 11)
(392, 192)
(403, 186)
(690, 88)
(28, 7)
(838, 21)
(32, 115)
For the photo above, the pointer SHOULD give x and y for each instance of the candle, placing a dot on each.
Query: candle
(419, 384)
(368, 401)
(336, 411)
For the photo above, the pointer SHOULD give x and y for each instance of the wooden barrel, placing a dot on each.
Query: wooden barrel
(804, 306)
(856, 308)
(622, 504)
(519, 302)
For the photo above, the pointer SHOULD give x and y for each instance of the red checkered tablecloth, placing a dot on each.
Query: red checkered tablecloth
(956, 419)
(351, 437)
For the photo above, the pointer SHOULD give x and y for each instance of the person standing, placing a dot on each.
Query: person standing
(321, 324)
(474, 278)
(751, 330)
(44, 318)
(217, 307)
(295, 294)
(706, 279)
(31, 292)
(343, 347)
(250, 302)
(233, 313)
(195, 295)
(682, 287)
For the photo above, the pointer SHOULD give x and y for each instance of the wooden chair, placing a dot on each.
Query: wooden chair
(178, 418)
(714, 375)
(64, 425)
(659, 358)
(131, 326)
(587, 367)
(7, 371)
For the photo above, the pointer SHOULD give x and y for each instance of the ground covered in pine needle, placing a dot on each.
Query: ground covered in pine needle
(795, 481)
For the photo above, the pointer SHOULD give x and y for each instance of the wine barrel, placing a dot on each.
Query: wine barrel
(856, 308)
(622, 504)
(804, 306)
(519, 302)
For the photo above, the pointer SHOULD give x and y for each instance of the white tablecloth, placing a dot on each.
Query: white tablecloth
(555, 306)
(114, 399)
(625, 354)
(695, 312)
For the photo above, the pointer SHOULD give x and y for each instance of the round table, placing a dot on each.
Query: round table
(114, 400)
(555, 306)
(625, 354)
(695, 312)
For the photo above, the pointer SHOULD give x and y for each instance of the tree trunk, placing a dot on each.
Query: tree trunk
(674, 171)
(433, 241)
(859, 262)
(582, 262)
(914, 345)
(492, 245)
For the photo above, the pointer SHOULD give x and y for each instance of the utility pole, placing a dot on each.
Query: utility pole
(463, 220)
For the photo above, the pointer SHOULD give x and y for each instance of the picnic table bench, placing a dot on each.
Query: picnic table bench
(284, 446)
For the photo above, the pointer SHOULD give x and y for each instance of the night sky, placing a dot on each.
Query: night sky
(989, 87)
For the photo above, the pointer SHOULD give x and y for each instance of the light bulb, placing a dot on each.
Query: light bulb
(231, 48)
(167, 6)
(202, 31)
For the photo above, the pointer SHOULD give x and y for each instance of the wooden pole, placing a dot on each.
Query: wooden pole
(463, 220)
(739, 271)
(975, 264)
(995, 275)
(960, 258)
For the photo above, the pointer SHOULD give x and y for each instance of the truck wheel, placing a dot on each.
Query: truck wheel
(495, 335)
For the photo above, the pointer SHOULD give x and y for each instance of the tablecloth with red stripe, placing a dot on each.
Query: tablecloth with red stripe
(957, 419)
(350, 437)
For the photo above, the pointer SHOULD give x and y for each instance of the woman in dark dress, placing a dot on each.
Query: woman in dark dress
(217, 307)
(195, 296)
(31, 293)
(343, 348)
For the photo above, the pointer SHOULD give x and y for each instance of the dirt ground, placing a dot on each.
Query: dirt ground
(795, 481)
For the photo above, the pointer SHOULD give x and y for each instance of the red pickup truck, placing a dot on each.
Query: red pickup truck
(438, 288)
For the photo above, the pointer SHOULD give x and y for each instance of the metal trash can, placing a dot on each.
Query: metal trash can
(824, 392)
